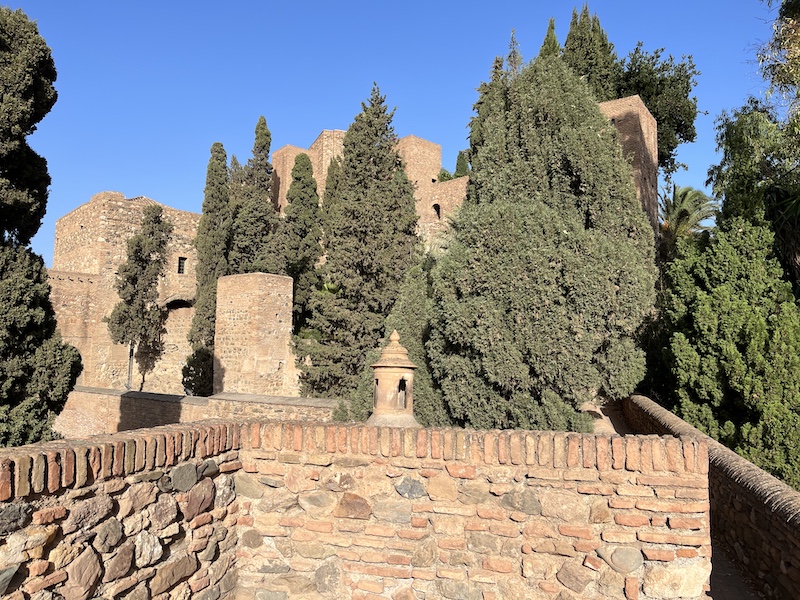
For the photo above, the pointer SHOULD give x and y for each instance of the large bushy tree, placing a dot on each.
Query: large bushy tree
(590, 55)
(212, 242)
(255, 245)
(370, 241)
(138, 319)
(302, 237)
(37, 369)
(550, 271)
(734, 349)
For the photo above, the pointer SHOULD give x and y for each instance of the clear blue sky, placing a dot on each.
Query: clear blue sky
(146, 87)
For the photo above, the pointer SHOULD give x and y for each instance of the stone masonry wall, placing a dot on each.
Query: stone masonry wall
(253, 339)
(95, 411)
(351, 511)
(151, 514)
(753, 514)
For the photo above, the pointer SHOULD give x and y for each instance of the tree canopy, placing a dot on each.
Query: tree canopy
(138, 319)
(550, 271)
(369, 225)
(37, 369)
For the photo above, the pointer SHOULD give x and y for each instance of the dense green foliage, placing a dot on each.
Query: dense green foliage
(212, 242)
(550, 272)
(254, 245)
(684, 213)
(37, 369)
(410, 317)
(301, 237)
(138, 320)
(664, 85)
(462, 164)
(735, 345)
(369, 231)
(550, 46)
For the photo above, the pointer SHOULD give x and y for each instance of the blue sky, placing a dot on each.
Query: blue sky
(145, 88)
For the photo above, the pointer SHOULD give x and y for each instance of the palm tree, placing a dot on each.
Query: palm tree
(686, 213)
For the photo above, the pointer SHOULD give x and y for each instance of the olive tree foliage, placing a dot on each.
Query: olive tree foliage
(369, 225)
(734, 349)
(37, 369)
(138, 319)
(550, 270)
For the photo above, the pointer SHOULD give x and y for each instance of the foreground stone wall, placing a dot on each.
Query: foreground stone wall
(753, 513)
(145, 515)
(332, 511)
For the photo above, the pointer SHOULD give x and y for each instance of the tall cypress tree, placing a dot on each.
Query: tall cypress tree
(550, 271)
(254, 243)
(550, 46)
(301, 237)
(138, 320)
(591, 56)
(212, 242)
(37, 369)
(462, 164)
(370, 242)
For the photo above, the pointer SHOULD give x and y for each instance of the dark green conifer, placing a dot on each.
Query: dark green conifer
(550, 46)
(550, 271)
(37, 369)
(301, 237)
(138, 320)
(370, 237)
(255, 244)
(212, 242)
(462, 164)
(591, 56)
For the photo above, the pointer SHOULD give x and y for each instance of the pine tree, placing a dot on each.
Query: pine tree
(550, 46)
(302, 234)
(255, 245)
(37, 369)
(138, 320)
(591, 56)
(370, 243)
(212, 242)
(551, 270)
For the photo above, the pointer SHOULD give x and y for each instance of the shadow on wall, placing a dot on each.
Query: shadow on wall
(143, 409)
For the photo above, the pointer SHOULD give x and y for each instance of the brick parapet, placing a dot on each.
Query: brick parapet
(753, 514)
(458, 513)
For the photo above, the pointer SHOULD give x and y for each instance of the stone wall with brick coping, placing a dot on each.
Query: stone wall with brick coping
(98, 411)
(753, 514)
(351, 511)
(149, 514)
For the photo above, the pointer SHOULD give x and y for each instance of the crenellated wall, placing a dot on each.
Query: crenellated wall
(150, 514)
(274, 510)
(753, 513)
(353, 511)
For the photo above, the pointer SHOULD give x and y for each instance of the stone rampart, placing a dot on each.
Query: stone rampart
(352, 511)
(97, 411)
(753, 514)
(150, 514)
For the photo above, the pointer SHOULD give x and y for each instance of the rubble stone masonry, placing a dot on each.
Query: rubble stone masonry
(754, 515)
(268, 509)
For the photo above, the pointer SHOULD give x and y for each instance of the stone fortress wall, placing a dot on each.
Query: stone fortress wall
(279, 509)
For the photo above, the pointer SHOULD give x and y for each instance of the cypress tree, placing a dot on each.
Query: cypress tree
(138, 320)
(462, 164)
(591, 56)
(550, 46)
(37, 369)
(302, 233)
(254, 243)
(212, 242)
(550, 271)
(370, 224)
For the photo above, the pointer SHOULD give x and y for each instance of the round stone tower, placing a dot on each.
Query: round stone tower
(392, 390)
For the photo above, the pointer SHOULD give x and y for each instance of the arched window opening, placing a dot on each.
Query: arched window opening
(438, 210)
